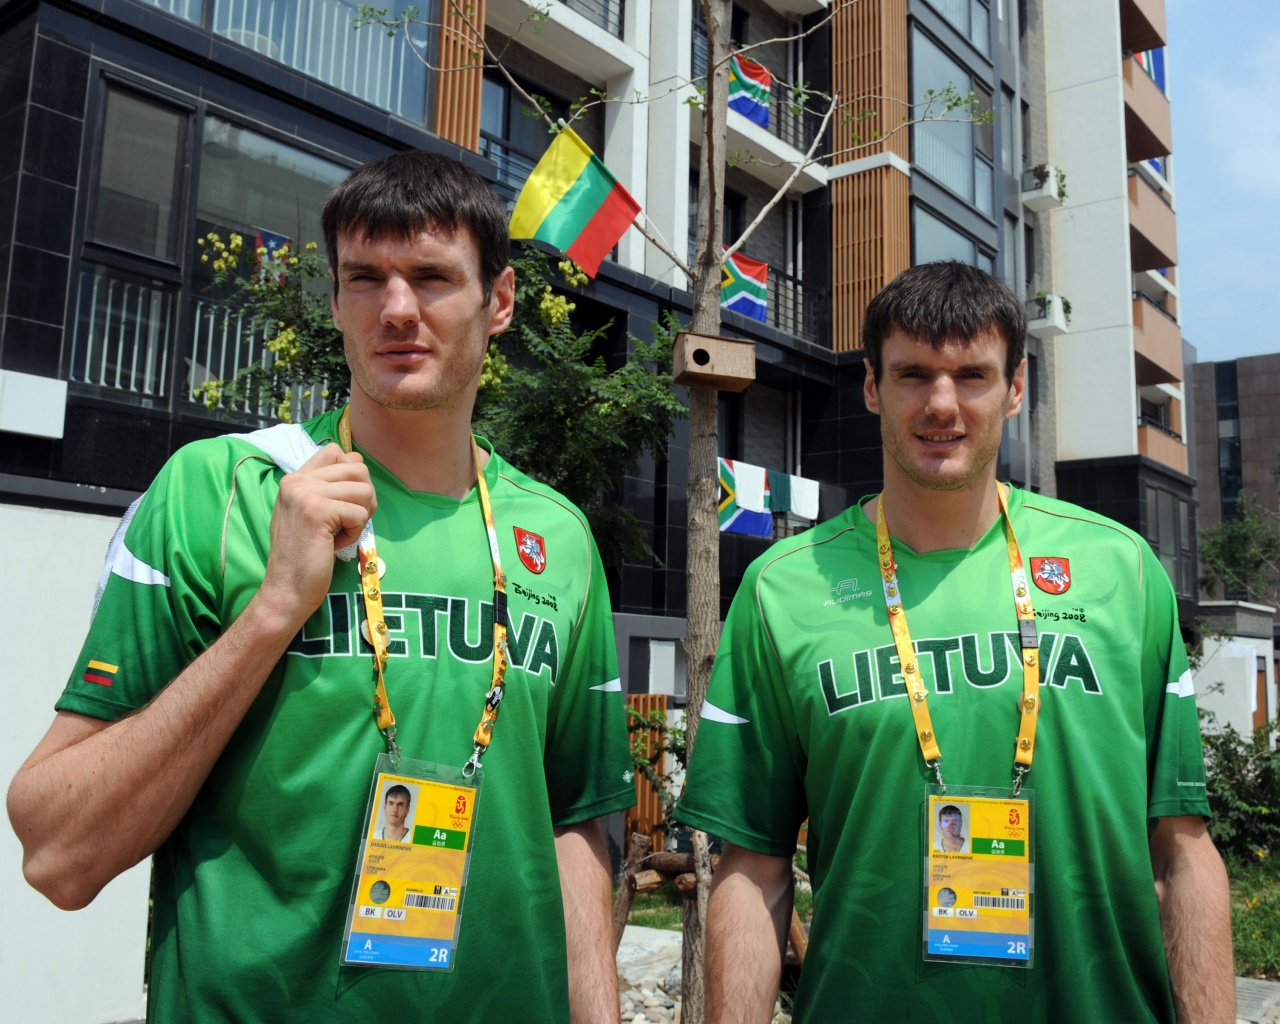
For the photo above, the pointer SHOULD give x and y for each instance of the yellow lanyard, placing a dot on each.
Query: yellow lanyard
(1029, 706)
(376, 631)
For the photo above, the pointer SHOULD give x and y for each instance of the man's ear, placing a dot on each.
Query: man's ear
(503, 302)
(1017, 390)
(333, 303)
(869, 393)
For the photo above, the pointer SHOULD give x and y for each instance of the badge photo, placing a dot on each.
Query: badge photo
(1052, 575)
(532, 550)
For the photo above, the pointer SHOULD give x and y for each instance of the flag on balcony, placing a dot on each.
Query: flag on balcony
(745, 288)
(571, 201)
(749, 87)
(743, 485)
(269, 268)
(1152, 62)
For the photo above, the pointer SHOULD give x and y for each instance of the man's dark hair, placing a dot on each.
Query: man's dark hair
(950, 810)
(398, 790)
(402, 194)
(942, 302)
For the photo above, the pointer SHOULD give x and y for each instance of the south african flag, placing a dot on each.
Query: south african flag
(749, 87)
(745, 288)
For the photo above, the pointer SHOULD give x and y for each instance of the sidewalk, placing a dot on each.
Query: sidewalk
(649, 962)
(1257, 1001)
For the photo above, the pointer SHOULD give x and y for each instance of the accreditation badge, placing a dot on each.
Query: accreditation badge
(978, 876)
(415, 850)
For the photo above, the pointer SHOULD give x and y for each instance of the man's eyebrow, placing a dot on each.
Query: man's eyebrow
(905, 366)
(354, 267)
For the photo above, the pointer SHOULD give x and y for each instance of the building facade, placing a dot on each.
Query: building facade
(1121, 400)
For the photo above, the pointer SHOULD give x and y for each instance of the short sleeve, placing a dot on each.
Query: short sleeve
(159, 608)
(588, 757)
(746, 779)
(1176, 783)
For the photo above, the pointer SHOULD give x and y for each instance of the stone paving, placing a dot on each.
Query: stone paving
(649, 983)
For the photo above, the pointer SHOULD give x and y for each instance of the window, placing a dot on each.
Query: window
(136, 202)
(124, 331)
(147, 328)
(949, 147)
(1006, 132)
(1168, 518)
(1010, 243)
(934, 239)
(971, 17)
(1029, 258)
(513, 134)
(735, 215)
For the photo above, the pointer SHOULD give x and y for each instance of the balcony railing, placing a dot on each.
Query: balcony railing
(1148, 300)
(796, 308)
(317, 39)
(124, 334)
(797, 129)
(1150, 421)
(605, 13)
(191, 10)
(126, 341)
(223, 343)
(513, 166)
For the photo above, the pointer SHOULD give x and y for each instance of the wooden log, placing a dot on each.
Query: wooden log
(687, 882)
(636, 850)
(798, 937)
(646, 881)
(672, 863)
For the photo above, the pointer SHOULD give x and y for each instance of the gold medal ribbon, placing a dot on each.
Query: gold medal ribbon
(376, 625)
(1028, 704)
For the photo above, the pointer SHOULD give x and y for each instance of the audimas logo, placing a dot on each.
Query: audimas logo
(846, 590)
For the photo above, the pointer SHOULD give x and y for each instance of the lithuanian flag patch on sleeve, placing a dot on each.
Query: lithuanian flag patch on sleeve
(101, 672)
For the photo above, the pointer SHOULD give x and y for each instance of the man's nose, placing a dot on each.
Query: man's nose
(942, 397)
(399, 306)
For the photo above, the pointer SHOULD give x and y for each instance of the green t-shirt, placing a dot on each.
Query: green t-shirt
(807, 715)
(251, 890)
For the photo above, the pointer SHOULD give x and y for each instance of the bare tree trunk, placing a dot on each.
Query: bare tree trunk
(703, 632)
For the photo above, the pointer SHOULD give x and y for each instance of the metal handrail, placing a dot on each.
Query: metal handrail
(609, 15)
(1133, 173)
(1150, 421)
(1154, 305)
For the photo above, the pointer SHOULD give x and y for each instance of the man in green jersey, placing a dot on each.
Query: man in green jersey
(220, 718)
(808, 714)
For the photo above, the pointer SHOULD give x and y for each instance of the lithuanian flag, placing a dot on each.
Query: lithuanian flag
(571, 201)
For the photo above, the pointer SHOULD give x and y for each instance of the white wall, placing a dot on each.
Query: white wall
(69, 968)
(1097, 405)
(1227, 681)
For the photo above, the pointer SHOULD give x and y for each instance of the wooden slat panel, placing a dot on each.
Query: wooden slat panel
(869, 71)
(459, 79)
(871, 243)
(646, 816)
(871, 231)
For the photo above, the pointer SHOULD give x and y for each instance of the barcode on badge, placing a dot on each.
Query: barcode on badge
(413, 899)
(991, 902)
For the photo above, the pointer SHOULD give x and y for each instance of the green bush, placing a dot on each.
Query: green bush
(1242, 775)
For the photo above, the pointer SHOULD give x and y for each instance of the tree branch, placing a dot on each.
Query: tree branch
(779, 193)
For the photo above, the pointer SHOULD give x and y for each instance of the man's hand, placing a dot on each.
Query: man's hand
(747, 919)
(321, 507)
(1195, 917)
